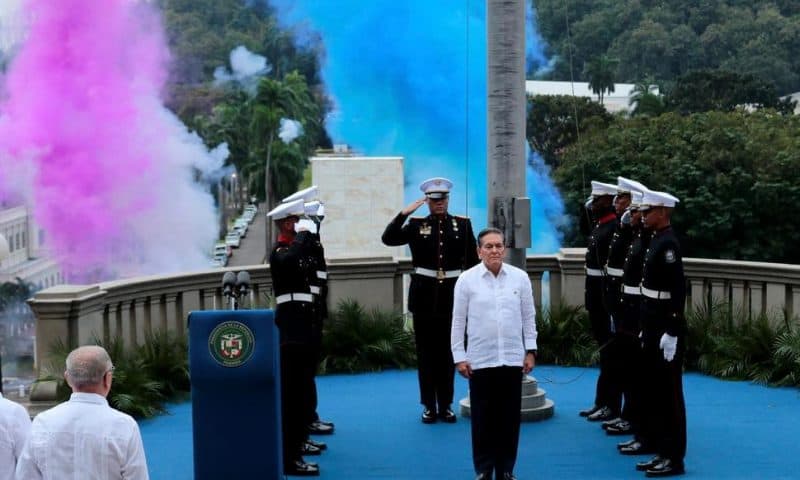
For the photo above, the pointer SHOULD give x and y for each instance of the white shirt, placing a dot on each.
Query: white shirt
(15, 424)
(497, 314)
(83, 439)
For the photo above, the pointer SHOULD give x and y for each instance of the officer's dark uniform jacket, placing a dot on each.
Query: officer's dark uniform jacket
(318, 281)
(631, 284)
(291, 272)
(441, 245)
(617, 251)
(663, 288)
(596, 258)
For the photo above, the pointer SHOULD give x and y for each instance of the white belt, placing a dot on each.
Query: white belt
(322, 274)
(614, 272)
(297, 297)
(594, 272)
(656, 294)
(440, 274)
(631, 290)
(314, 289)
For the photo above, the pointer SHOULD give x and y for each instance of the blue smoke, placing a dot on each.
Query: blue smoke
(408, 78)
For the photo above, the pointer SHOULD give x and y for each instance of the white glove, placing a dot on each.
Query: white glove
(307, 224)
(669, 344)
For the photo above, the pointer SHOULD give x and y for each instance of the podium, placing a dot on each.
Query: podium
(235, 375)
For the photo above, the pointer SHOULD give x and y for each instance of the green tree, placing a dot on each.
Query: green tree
(706, 90)
(600, 73)
(645, 101)
(555, 122)
(736, 174)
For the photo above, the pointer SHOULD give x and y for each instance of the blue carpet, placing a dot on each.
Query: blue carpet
(737, 430)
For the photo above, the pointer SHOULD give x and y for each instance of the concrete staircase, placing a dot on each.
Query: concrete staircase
(535, 406)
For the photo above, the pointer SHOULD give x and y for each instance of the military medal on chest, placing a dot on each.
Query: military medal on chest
(425, 229)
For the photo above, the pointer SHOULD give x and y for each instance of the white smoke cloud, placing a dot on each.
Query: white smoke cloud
(290, 129)
(246, 69)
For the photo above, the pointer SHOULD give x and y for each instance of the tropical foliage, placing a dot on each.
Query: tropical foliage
(665, 40)
(565, 338)
(355, 340)
(734, 172)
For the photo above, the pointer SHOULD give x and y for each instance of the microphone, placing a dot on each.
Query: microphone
(228, 283)
(242, 283)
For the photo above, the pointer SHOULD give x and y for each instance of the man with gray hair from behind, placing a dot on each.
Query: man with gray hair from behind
(84, 438)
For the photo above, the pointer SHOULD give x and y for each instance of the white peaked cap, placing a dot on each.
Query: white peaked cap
(288, 209)
(306, 194)
(636, 199)
(628, 185)
(312, 208)
(600, 189)
(658, 199)
(436, 187)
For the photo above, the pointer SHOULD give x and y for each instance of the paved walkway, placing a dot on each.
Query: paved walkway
(252, 250)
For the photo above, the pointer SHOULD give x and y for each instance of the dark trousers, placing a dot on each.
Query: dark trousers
(495, 396)
(608, 392)
(434, 360)
(629, 366)
(297, 364)
(664, 412)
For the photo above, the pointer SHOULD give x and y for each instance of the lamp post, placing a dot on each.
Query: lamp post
(4, 252)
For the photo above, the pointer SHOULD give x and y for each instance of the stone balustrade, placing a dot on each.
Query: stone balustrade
(76, 314)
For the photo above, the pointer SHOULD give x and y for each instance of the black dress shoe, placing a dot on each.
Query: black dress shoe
(447, 415)
(509, 476)
(666, 468)
(613, 421)
(636, 448)
(300, 468)
(589, 411)
(626, 444)
(604, 413)
(484, 476)
(320, 445)
(644, 466)
(428, 416)
(621, 428)
(325, 422)
(308, 449)
(319, 428)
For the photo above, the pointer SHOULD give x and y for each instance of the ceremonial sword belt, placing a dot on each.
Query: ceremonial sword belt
(632, 290)
(438, 274)
(656, 294)
(314, 289)
(294, 297)
(614, 272)
(594, 272)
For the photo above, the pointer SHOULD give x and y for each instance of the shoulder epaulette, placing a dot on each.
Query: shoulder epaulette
(462, 217)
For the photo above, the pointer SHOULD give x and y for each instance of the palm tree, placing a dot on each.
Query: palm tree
(645, 101)
(600, 73)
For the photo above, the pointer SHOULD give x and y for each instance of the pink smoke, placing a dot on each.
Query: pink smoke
(109, 168)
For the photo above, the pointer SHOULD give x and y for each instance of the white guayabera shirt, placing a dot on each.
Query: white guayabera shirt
(83, 439)
(496, 313)
(15, 424)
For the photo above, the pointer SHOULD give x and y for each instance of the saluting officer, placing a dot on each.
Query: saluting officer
(318, 281)
(442, 246)
(663, 338)
(295, 314)
(618, 247)
(628, 328)
(604, 220)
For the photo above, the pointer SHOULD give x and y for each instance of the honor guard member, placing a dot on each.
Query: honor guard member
(618, 247)
(628, 328)
(442, 246)
(663, 301)
(315, 213)
(602, 212)
(295, 314)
